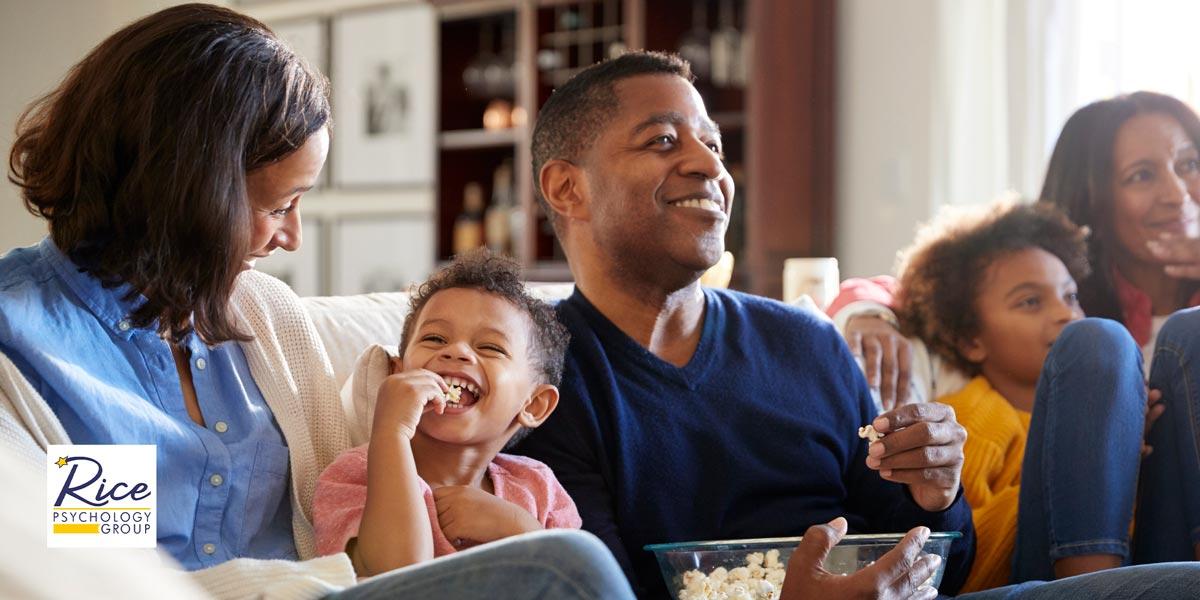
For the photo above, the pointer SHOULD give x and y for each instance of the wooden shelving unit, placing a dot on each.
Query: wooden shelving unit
(552, 40)
(778, 131)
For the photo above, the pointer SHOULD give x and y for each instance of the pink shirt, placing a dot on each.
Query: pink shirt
(342, 495)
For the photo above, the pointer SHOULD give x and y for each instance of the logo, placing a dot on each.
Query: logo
(101, 496)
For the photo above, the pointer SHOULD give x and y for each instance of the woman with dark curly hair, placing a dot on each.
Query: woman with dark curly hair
(168, 160)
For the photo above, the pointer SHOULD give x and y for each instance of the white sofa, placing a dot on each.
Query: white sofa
(348, 324)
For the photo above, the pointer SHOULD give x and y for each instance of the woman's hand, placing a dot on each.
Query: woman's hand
(404, 397)
(899, 574)
(1154, 410)
(887, 357)
(467, 513)
(1181, 253)
(924, 449)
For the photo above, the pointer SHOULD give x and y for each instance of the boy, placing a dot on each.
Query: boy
(479, 362)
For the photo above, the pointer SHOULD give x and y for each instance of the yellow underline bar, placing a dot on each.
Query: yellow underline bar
(66, 508)
(76, 528)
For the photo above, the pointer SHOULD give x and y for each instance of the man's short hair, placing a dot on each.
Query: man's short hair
(941, 273)
(481, 270)
(577, 112)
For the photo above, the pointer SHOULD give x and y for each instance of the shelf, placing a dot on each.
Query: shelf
(468, 139)
(589, 35)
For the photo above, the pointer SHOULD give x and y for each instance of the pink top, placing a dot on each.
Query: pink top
(881, 289)
(342, 495)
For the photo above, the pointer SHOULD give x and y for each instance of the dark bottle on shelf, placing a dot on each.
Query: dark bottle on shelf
(468, 227)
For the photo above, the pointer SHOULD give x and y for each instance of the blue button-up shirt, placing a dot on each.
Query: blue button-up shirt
(223, 489)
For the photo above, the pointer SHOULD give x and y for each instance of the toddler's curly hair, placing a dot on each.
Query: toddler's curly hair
(499, 275)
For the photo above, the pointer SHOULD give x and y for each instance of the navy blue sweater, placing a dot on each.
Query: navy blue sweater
(755, 437)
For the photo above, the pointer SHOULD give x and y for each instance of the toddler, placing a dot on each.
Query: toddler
(479, 359)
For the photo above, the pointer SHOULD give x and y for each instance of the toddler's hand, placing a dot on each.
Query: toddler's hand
(467, 513)
(404, 397)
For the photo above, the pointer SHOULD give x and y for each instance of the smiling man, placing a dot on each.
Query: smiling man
(691, 413)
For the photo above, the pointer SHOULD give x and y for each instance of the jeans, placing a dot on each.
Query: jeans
(547, 564)
(1166, 581)
(1080, 472)
(1168, 527)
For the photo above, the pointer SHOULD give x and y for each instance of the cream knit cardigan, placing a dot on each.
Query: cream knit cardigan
(290, 366)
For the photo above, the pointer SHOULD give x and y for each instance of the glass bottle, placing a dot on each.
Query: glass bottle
(468, 227)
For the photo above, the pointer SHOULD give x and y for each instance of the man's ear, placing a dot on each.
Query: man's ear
(541, 403)
(562, 184)
(973, 350)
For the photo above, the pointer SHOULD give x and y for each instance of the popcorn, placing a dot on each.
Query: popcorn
(454, 395)
(760, 579)
(868, 432)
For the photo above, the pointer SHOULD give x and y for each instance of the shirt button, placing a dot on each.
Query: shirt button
(209, 549)
(123, 325)
(201, 363)
(216, 480)
(221, 427)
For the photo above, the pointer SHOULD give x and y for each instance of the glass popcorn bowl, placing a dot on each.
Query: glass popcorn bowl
(696, 570)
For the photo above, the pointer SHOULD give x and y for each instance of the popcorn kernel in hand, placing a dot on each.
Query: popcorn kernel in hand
(868, 432)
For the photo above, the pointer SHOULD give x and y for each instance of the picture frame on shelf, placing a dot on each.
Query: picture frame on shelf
(303, 269)
(381, 253)
(384, 74)
(309, 37)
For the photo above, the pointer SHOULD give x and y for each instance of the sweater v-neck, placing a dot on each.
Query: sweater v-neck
(691, 375)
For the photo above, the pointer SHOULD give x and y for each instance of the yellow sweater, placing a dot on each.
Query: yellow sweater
(991, 477)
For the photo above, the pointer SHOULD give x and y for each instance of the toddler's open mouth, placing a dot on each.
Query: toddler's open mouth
(462, 394)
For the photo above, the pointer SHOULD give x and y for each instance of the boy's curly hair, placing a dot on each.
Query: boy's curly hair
(940, 274)
(482, 270)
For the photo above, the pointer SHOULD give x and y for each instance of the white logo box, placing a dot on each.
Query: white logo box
(101, 496)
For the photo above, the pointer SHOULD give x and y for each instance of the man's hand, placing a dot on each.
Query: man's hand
(887, 357)
(923, 447)
(899, 574)
(403, 397)
(471, 514)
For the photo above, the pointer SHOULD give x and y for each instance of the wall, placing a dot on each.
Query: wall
(886, 128)
(39, 41)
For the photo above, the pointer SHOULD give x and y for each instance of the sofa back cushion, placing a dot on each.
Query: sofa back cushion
(348, 324)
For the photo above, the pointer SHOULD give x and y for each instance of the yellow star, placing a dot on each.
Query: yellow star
(61, 462)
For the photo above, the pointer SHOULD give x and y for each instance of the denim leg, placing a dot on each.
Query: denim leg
(1164, 581)
(548, 564)
(1080, 472)
(1168, 526)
